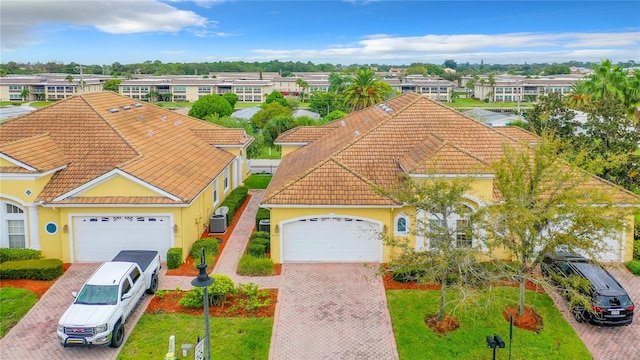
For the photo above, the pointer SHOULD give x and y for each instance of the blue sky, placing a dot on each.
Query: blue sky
(332, 31)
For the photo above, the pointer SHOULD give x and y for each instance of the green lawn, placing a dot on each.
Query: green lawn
(258, 181)
(557, 340)
(466, 102)
(231, 338)
(14, 303)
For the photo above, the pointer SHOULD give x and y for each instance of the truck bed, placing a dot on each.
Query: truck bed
(142, 257)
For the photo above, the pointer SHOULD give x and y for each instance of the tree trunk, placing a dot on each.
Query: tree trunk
(521, 302)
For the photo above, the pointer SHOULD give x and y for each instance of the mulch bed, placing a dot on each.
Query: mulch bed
(530, 320)
(447, 324)
(169, 303)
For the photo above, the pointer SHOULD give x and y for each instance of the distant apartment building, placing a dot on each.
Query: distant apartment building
(249, 87)
(514, 88)
(47, 87)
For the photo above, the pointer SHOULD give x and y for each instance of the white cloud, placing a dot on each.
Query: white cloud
(498, 48)
(21, 19)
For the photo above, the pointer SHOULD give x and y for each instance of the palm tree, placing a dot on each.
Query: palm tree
(25, 94)
(579, 96)
(608, 78)
(303, 85)
(69, 78)
(337, 83)
(153, 96)
(365, 90)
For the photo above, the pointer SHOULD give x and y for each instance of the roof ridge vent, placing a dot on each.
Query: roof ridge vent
(114, 110)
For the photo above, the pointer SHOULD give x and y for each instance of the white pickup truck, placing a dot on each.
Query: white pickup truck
(103, 305)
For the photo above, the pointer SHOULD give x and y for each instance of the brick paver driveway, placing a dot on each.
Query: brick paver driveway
(333, 312)
(34, 337)
(611, 343)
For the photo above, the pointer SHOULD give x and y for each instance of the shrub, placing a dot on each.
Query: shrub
(41, 269)
(252, 266)
(234, 200)
(262, 214)
(251, 298)
(174, 258)
(260, 234)
(264, 242)
(405, 274)
(193, 298)
(256, 250)
(634, 266)
(221, 287)
(11, 254)
(210, 246)
(636, 249)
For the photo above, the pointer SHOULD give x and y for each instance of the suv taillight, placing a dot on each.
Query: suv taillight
(597, 309)
(631, 308)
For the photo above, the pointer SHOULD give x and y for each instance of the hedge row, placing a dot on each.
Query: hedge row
(41, 269)
(234, 200)
(634, 266)
(262, 214)
(253, 266)
(11, 254)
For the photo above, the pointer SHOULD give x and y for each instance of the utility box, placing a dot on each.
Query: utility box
(218, 223)
(264, 225)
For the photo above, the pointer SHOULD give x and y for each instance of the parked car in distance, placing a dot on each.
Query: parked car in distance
(610, 303)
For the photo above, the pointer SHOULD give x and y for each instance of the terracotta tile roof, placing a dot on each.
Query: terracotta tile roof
(375, 145)
(155, 145)
(49, 157)
(224, 136)
(303, 135)
(518, 133)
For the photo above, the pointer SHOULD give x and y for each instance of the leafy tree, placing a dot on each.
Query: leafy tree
(416, 70)
(210, 104)
(269, 111)
(545, 204)
(276, 126)
(335, 115)
(434, 70)
(293, 102)
(448, 259)
(450, 63)
(365, 90)
(337, 82)
(325, 103)
(557, 69)
(609, 147)
(277, 97)
(231, 98)
(550, 115)
(111, 85)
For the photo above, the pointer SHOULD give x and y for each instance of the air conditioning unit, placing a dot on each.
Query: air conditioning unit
(218, 223)
(264, 225)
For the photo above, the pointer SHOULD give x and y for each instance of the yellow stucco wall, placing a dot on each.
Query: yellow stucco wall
(287, 149)
(119, 185)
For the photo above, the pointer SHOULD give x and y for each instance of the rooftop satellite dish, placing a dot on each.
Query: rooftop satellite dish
(222, 210)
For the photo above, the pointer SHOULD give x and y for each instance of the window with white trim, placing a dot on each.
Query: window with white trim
(226, 179)
(13, 230)
(215, 192)
(459, 226)
(401, 224)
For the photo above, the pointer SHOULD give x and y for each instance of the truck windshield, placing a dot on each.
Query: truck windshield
(98, 295)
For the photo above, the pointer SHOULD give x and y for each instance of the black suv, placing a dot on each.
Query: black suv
(610, 303)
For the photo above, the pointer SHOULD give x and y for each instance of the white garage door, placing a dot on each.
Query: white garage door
(100, 238)
(331, 239)
(613, 250)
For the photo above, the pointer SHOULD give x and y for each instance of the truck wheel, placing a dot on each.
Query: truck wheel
(579, 314)
(154, 284)
(117, 336)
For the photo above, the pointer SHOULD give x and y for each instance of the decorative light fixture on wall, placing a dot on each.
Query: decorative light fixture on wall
(277, 229)
(65, 228)
(175, 228)
(384, 229)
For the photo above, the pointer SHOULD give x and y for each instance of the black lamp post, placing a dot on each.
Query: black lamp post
(203, 281)
(495, 342)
